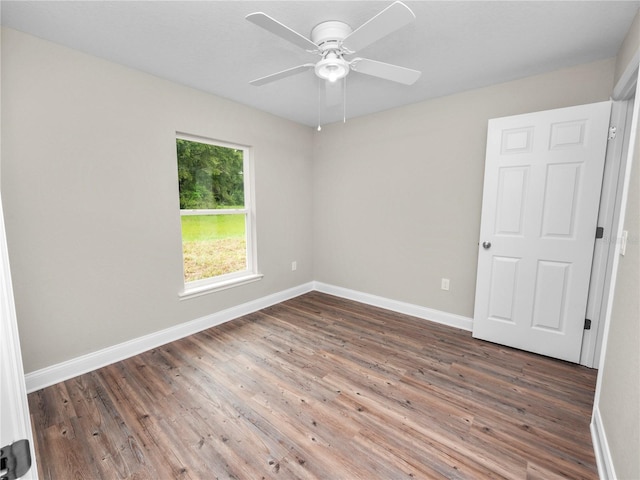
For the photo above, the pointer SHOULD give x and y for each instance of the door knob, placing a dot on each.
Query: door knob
(486, 245)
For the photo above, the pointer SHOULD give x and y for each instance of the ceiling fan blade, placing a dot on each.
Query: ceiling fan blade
(387, 71)
(272, 25)
(388, 20)
(283, 74)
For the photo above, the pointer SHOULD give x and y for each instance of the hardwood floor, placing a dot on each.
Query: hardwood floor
(320, 387)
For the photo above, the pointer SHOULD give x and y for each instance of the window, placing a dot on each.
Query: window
(216, 214)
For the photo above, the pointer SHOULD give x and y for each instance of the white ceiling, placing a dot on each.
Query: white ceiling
(209, 45)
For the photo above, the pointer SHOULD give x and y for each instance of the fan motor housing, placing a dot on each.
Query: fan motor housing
(328, 35)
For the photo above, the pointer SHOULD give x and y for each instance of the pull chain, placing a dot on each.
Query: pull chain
(319, 95)
(344, 100)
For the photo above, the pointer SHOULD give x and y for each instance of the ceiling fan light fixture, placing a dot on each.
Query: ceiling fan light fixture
(332, 68)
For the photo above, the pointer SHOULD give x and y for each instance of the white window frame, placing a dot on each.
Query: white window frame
(250, 274)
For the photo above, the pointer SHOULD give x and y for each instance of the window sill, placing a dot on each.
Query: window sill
(192, 292)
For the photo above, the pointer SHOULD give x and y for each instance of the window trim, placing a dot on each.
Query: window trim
(203, 286)
(218, 285)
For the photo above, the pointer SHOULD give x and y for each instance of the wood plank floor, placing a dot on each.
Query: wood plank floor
(320, 387)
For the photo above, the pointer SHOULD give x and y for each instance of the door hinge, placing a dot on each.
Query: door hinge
(612, 133)
(15, 460)
(587, 324)
(600, 232)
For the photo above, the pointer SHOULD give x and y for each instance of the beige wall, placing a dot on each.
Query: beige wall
(398, 194)
(89, 188)
(629, 47)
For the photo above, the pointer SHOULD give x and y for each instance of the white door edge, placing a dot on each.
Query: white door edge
(15, 421)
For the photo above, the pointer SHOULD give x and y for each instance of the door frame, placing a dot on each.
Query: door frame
(624, 90)
(609, 219)
(613, 204)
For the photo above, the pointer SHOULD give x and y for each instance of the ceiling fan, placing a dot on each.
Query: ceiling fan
(333, 40)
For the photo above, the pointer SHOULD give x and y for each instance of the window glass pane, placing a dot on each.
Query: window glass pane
(209, 176)
(213, 245)
(212, 177)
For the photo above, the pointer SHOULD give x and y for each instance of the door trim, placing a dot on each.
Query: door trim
(608, 217)
(627, 84)
(601, 296)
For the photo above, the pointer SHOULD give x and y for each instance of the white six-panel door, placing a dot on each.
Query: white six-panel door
(543, 176)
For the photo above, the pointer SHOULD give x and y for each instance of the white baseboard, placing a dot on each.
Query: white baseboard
(92, 361)
(450, 319)
(606, 471)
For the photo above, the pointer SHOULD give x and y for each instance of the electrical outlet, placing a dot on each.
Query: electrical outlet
(444, 284)
(294, 266)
